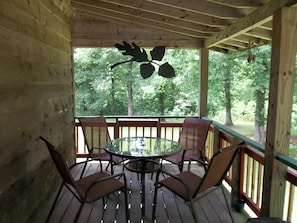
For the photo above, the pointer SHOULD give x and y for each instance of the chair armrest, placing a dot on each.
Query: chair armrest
(171, 175)
(160, 170)
(186, 186)
(105, 179)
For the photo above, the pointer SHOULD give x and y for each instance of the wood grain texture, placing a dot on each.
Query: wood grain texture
(282, 77)
(36, 97)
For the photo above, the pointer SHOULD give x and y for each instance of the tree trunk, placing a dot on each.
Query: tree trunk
(112, 96)
(161, 103)
(130, 92)
(228, 120)
(259, 134)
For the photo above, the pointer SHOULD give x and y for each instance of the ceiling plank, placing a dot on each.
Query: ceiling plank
(236, 43)
(144, 14)
(127, 18)
(173, 12)
(229, 48)
(239, 3)
(203, 7)
(260, 33)
(247, 39)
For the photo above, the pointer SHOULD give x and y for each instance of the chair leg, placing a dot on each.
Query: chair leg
(192, 207)
(181, 166)
(84, 168)
(106, 168)
(155, 197)
(226, 201)
(111, 164)
(79, 211)
(126, 204)
(54, 203)
(155, 203)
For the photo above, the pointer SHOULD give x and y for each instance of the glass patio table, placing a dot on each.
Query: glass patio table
(142, 153)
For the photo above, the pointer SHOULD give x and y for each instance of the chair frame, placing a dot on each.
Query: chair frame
(206, 184)
(98, 122)
(71, 184)
(201, 128)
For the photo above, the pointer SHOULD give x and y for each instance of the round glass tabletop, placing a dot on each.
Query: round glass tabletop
(142, 147)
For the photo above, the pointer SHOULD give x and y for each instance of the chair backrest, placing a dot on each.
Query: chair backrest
(60, 163)
(95, 131)
(194, 133)
(218, 167)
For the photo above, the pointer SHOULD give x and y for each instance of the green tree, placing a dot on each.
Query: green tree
(186, 82)
(98, 90)
(218, 64)
(257, 72)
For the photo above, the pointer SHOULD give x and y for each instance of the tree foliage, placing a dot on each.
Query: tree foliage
(178, 95)
(96, 84)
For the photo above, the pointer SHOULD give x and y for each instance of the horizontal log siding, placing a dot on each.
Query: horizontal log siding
(36, 96)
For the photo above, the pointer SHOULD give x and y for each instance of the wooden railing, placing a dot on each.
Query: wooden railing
(246, 183)
(251, 168)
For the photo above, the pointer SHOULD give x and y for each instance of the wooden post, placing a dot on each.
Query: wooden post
(203, 83)
(282, 74)
(216, 140)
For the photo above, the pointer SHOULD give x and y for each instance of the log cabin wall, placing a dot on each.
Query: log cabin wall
(36, 96)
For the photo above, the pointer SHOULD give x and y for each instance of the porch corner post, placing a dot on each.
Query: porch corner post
(282, 74)
(203, 82)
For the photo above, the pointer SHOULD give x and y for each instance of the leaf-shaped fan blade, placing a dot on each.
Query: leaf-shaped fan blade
(123, 47)
(136, 53)
(158, 53)
(146, 70)
(166, 70)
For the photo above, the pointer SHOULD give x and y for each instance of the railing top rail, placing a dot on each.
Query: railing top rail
(289, 161)
(282, 158)
(239, 136)
(137, 117)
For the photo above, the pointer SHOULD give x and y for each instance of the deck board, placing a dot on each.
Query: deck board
(170, 208)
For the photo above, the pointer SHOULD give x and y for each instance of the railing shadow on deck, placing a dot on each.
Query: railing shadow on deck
(247, 170)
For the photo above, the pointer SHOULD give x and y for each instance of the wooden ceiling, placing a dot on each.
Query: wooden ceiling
(221, 25)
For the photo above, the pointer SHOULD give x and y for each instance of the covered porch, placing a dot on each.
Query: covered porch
(246, 174)
(37, 91)
(245, 178)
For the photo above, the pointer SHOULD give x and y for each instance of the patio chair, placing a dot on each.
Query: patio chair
(192, 139)
(96, 134)
(190, 186)
(88, 189)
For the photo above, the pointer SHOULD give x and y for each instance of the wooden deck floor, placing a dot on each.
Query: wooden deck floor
(210, 208)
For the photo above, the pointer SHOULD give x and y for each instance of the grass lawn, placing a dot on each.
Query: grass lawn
(244, 127)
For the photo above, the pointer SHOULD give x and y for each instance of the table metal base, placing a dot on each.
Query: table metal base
(141, 166)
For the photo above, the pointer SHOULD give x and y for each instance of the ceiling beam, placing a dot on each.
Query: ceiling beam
(258, 17)
(91, 32)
